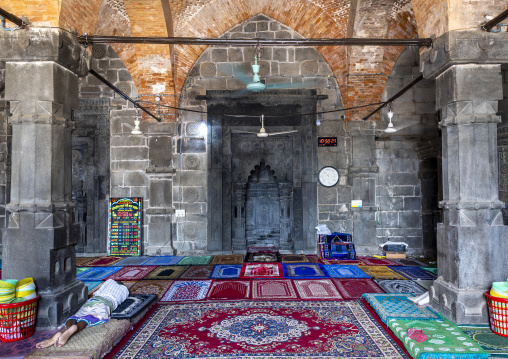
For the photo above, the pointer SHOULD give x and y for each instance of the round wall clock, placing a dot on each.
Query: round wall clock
(328, 176)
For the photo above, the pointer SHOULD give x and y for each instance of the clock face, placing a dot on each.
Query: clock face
(328, 176)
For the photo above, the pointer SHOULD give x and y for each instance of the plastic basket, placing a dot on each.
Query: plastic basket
(498, 313)
(17, 320)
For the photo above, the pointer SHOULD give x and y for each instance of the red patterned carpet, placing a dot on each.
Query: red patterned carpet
(248, 330)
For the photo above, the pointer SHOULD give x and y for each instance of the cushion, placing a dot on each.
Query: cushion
(90, 343)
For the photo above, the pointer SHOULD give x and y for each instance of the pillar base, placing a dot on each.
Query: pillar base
(459, 305)
(54, 307)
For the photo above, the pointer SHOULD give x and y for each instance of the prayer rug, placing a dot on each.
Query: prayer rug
(259, 329)
(409, 262)
(223, 271)
(18, 349)
(187, 290)
(96, 274)
(132, 273)
(158, 287)
(101, 261)
(426, 284)
(398, 306)
(342, 261)
(195, 260)
(294, 258)
(81, 269)
(441, 339)
(81, 260)
(316, 289)
(92, 285)
(134, 307)
(132, 261)
(229, 289)
(197, 272)
(414, 272)
(381, 272)
(304, 271)
(262, 257)
(495, 345)
(430, 269)
(268, 289)
(227, 259)
(313, 258)
(261, 270)
(400, 286)
(163, 261)
(90, 343)
(369, 261)
(354, 288)
(345, 271)
(166, 272)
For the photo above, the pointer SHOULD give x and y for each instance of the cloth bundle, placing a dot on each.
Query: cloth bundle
(499, 289)
(14, 291)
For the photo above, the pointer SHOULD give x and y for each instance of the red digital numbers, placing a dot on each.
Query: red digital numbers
(327, 141)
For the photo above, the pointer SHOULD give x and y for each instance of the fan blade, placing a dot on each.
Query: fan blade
(243, 72)
(280, 133)
(306, 83)
(237, 131)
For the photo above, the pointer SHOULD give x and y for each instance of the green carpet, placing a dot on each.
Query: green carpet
(442, 340)
(496, 345)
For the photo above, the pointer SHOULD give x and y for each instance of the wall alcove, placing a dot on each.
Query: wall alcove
(291, 157)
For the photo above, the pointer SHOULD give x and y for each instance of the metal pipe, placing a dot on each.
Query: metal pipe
(110, 85)
(396, 96)
(12, 18)
(85, 39)
(490, 24)
(8, 28)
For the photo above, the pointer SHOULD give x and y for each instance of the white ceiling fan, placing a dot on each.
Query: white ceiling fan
(262, 132)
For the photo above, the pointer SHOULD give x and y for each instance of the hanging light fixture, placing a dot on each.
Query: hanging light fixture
(390, 128)
(256, 85)
(136, 130)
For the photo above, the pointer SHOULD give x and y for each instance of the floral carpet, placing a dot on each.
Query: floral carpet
(249, 330)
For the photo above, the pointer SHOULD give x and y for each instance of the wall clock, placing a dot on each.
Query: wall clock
(328, 176)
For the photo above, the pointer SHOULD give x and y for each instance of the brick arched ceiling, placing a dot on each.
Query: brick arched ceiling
(361, 71)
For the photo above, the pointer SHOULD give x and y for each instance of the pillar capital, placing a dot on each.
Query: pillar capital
(463, 47)
(34, 44)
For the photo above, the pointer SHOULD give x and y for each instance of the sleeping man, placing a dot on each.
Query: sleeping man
(97, 310)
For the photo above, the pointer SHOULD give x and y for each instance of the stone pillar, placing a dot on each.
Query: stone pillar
(41, 85)
(472, 242)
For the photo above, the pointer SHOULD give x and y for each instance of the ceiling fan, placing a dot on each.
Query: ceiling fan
(255, 84)
(262, 132)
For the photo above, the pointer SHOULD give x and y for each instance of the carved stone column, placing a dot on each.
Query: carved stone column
(470, 236)
(471, 239)
(41, 85)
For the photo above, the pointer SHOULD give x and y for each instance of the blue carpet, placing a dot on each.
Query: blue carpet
(345, 271)
(304, 271)
(222, 271)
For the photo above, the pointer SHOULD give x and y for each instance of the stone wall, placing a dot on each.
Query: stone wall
(399, 187)
(502, 142)
(4, 154)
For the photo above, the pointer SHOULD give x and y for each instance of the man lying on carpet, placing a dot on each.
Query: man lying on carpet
(95, 311)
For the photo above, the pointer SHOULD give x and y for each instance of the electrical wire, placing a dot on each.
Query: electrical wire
(293, 115)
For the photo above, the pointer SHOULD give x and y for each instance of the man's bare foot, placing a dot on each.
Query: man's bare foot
(62, 339)
(49, 342)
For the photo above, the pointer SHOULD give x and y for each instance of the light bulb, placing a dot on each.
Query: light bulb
(318, 122)
(202, 129)
(157, 98)
(136, 130)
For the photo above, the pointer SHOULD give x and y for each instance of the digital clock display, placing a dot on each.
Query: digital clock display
(327, 141)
